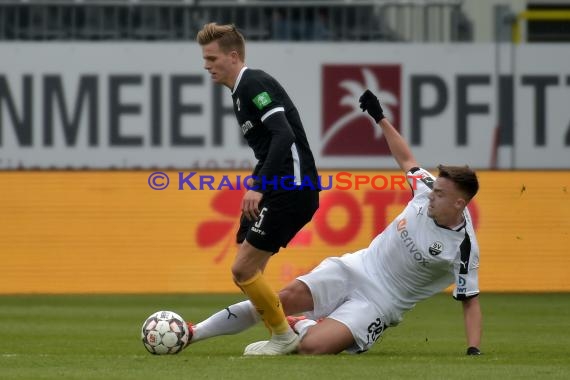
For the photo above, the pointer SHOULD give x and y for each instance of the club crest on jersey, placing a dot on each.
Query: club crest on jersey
(435, 248)
(261, 100)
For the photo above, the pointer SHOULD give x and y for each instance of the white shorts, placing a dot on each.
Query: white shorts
(335, 295)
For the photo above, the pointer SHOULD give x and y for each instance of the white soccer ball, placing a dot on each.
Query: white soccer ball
(164, 332)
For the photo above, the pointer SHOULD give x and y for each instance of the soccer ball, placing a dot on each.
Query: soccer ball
(164, 332)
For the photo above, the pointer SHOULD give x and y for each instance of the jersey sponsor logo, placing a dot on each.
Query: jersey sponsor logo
(258, 231)
(245, 127)
(262, 100)
(435, 248)
(343, 120)
(409, 243)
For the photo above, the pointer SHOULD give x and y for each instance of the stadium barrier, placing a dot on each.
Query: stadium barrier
(537, 15)
(109, 232)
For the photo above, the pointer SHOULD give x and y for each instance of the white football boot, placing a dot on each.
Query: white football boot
(279, 344)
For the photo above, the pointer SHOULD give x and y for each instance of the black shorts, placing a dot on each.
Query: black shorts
(282, 214)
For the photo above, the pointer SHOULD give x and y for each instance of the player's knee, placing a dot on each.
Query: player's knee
(296, 298)
(242, 273)
(286, 295)
(237, 273)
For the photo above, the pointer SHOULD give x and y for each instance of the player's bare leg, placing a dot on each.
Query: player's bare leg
(326, 337)
(248, 273)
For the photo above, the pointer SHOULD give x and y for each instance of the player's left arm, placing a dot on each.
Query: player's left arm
(282, 138)
(272, 116)
(467, 291)
(473, 324)
(398, 146)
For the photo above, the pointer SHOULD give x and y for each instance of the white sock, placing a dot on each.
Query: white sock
(232, 320)
(303, 325)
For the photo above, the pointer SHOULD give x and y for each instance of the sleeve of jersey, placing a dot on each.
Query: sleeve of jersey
(466, 280)
(256, 170)
(272, 115)
(420, 180)
(263, 99)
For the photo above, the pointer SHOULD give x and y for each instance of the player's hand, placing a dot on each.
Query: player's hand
(369, 102)
(250, 204)
(473, 351)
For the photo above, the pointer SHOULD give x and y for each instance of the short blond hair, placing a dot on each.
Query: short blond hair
(228, 37)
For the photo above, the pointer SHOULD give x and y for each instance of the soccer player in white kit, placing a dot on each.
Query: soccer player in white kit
(347, 302)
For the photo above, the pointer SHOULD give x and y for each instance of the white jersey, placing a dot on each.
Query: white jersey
(414, 258)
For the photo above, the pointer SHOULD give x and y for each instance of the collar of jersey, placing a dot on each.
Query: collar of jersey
(238, 79)
(451, 229)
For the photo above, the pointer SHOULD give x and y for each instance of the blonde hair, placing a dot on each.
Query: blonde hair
(228, 37)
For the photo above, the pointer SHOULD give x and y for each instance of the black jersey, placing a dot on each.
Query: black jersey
(257, 97)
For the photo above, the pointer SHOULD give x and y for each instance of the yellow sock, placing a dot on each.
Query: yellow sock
(266, 302)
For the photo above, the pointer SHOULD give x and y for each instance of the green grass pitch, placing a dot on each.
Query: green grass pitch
(97, 337)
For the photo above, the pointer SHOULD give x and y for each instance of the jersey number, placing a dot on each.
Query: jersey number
(261, 215)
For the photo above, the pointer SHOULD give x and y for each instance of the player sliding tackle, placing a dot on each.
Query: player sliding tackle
(348, 302)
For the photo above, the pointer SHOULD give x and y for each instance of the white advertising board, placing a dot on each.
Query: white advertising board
(152, 105)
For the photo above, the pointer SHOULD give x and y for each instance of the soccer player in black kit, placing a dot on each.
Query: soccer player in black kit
(285, 189)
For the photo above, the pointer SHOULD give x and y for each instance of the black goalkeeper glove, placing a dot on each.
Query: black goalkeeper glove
(473, 351)
(369, 102)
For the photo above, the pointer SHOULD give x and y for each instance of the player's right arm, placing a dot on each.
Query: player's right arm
(398, 146)
(466, 271)
(473, 324)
